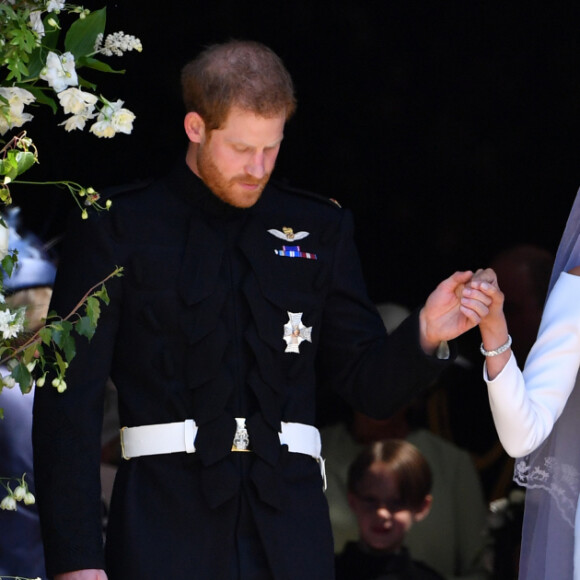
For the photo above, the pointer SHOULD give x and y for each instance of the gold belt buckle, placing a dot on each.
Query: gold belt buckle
(241, 438)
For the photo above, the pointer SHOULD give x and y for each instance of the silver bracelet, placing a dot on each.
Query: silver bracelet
(498, 350)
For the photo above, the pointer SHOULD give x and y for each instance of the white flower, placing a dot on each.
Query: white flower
(17, 98)
(8, 381)
(76, 122)
(77, 102)
(59, 385)
(8, 503)
(16, 120)
(60, 71)
(122, 121)
(4, 125)
(19, 493)
(118, 43)
(113, 119)
(36, 22)
(12, 114)
(103, 129)
(29, 498)
(55, 5)
(11, 323)
(3, 242)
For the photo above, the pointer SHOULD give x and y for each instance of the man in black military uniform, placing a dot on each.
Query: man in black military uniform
(239, 299)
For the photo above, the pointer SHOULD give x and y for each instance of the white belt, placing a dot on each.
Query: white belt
(180, 437)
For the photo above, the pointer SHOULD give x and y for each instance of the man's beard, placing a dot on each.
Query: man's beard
(229, 190)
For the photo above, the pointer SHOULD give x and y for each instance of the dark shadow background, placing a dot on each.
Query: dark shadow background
(449, 127)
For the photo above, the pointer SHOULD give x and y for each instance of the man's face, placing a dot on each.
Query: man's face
(236, 160)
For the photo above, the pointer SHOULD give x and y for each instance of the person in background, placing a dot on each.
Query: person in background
(30, 286)
(452, 540)
(389, 490)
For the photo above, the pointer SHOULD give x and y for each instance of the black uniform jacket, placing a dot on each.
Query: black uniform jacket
(194, 329)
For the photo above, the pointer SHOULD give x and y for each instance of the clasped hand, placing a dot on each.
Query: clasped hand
(457, 305)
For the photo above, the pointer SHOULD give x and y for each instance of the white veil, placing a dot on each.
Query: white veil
(551, 473)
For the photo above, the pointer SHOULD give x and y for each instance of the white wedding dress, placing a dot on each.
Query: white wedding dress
(526, 407)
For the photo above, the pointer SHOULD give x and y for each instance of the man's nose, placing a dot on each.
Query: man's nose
(256, 167)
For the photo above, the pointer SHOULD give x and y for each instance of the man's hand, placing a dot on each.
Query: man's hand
(449, 311)
(82, 575)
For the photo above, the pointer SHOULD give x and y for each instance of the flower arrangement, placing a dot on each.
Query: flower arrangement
(41, 60)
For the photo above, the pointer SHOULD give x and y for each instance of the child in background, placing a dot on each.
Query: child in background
(389, 486)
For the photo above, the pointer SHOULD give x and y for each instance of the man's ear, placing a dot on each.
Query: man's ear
(424, 509)
(194, 127)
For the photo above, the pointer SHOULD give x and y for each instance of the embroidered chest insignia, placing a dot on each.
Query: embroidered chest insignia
(295, 252)
(295, 332)
(288, 234)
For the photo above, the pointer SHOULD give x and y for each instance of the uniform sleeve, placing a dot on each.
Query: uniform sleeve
(67, 426)
(374, 372)
(526, 405)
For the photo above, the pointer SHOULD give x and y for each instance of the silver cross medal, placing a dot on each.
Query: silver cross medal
(295, 332)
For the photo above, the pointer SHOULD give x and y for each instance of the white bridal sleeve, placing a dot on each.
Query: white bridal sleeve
(526, 406)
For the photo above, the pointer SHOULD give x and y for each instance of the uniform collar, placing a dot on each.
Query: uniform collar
(190, 188)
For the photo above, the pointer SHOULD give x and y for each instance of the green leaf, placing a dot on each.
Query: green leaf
(61, 364)
(96, 64)
(29, 354)
(86, 84)
(24, 161)
(5, 195)
(45, 335)
(69, 347)
(51, 35)
(8, 263)
(42, 97)
(85, 327)
(16, 163)
(93, 309)
(60, 332)
(23, 377)
(102, 293)
(82, 35)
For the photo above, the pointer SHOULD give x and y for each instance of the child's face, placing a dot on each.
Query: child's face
(382, 520)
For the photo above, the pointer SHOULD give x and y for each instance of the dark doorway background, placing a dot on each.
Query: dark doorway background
(450, 128)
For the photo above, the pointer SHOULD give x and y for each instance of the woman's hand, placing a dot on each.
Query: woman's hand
(493, 328)
(485, 281)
